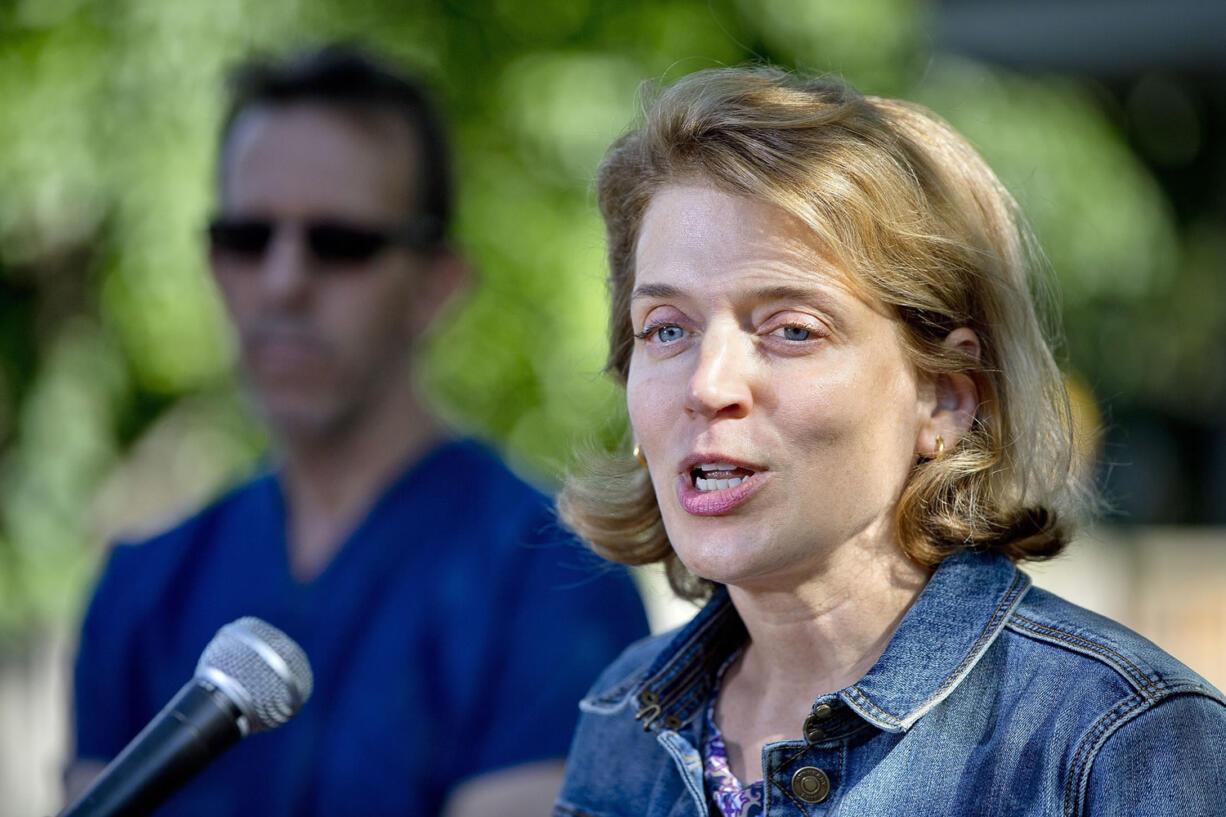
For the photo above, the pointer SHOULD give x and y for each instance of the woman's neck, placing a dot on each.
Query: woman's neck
(816, 637)
(826, 632)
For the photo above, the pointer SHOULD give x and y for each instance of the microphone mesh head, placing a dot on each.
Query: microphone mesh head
(261, 668)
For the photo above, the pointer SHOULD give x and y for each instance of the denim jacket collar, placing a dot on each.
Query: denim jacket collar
(959, 613)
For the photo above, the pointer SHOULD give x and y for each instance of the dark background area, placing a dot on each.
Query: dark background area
(1158, 72)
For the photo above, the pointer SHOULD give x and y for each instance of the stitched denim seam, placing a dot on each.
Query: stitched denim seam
(682, 761)
(694, 644)
(791, 797)
(691, 703)
(842, 761)
(835, 793)
(1093, 741)
(859, 697)
(1125, 713)
(788, 794)
(1140, 680)
(680, 687)
(675, 681)
(614, 699)
(770, 778)
(992, 627)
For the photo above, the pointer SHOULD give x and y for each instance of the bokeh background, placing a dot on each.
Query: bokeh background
(118, 412)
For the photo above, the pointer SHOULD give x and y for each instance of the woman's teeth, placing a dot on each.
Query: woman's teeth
(717, 484)
(719, 476)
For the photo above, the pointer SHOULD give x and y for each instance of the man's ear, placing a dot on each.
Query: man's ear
(440, 279)
(956, 400)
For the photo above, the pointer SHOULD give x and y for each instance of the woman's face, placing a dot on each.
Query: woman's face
(777, 410)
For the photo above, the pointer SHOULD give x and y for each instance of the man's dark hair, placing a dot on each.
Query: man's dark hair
(347, 78)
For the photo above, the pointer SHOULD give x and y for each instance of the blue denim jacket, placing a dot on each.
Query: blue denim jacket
(992, 698)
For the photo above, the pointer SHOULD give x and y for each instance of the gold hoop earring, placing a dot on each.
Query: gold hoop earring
(638, 455)
(940, 447)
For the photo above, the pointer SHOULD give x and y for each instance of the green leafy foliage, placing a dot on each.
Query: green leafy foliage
(116, 402)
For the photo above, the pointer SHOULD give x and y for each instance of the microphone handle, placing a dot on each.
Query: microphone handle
(194, 728)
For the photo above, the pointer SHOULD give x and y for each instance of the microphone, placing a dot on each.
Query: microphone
(251, 677)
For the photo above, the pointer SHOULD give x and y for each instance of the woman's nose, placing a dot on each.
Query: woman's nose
(720, 384)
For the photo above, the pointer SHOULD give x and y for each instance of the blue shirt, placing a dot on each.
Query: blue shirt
(451, 635)
(991, 698)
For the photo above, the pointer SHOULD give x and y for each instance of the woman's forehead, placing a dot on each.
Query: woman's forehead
(694, 233)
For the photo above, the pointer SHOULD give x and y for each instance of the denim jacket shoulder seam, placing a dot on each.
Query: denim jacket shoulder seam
(1145, 683)
(1087, 750)
(1108, 724)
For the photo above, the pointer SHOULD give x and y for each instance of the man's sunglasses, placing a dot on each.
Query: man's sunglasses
(331, 242)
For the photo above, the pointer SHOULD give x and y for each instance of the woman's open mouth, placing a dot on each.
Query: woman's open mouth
(713, 488)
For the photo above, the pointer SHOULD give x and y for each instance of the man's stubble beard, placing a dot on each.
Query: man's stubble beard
(338, 412)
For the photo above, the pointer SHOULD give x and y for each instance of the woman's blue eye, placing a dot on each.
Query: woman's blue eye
(668, 334)
(796, 333)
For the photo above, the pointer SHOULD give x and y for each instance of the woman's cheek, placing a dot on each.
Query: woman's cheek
(648, 402)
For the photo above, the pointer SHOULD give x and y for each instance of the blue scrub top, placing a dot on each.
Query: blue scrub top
(452, 635)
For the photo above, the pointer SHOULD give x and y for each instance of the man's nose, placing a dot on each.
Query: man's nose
(286, 270)
(721, 384)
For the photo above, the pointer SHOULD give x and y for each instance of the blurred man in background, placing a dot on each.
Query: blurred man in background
(428, 585)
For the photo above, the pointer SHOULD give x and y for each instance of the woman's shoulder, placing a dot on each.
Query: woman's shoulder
(1138, 725)
(1073, 639)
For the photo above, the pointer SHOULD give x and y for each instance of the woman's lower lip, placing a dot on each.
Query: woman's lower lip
(714, 503)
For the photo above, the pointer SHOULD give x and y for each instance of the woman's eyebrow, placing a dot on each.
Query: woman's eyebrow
(783, 292)
(654, 291)
(814, 296)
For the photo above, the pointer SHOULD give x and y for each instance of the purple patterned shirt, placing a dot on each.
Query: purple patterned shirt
(731, 798)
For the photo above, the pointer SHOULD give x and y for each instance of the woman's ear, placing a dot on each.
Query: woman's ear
(956, 400)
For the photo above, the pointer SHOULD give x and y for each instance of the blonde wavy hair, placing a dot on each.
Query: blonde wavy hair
(899, 198)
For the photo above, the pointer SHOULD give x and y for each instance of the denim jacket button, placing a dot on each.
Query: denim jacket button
(810, 784)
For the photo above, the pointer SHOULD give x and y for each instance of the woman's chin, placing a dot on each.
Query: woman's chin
(742, 554)
(731, 563)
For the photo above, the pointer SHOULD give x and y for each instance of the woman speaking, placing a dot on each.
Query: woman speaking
(848, 430)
